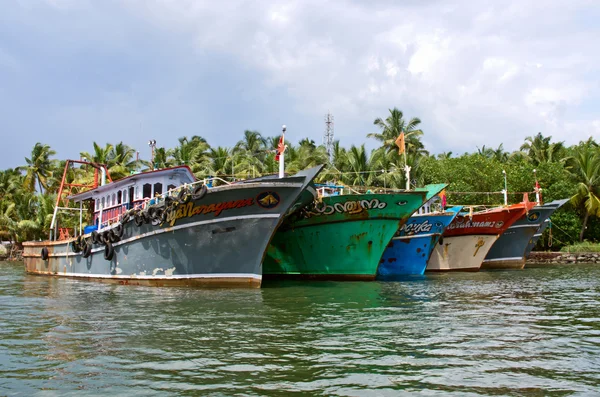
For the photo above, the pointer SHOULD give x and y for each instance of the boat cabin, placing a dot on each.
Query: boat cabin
(111, 200)
(325, 190)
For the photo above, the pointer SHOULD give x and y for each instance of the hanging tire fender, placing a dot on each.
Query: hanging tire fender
(199, 192)
(95, 237)
(112, 236)
(44, 253)
(109, 251)
(184, 196)
(119, 230)
(87, 249)
(138, 219)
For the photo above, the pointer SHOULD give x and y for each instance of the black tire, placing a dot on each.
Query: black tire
(119, 230)
(125, 218)
(45, 253)
(109, 251)
(75, 246)
(152, 212)
(95, 238)
(112, 236)
(138, 219)
(165, 215)
(87, 249)
(184, 196)
(199, 192)
(157, 217)
(168, 200)
(146, 217)
(106, 237)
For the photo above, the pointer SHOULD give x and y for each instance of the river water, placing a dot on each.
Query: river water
(531, 332)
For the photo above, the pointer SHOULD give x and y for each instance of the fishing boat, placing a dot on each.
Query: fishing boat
(342, 236)
(165, 228)
(409, 250)
(510, 250)
(470, 236)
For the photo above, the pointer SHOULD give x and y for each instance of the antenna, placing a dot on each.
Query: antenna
(328, 135)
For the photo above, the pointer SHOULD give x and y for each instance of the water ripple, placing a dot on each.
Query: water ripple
(534, 332)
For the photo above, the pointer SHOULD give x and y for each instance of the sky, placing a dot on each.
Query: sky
(475, 72)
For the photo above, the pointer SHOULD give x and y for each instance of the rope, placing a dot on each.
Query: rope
(567, 234)
(488, 192)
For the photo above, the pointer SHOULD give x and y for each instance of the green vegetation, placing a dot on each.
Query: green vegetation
(28, 192)
(585, 246)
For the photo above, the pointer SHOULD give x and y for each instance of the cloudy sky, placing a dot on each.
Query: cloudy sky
(476, 72)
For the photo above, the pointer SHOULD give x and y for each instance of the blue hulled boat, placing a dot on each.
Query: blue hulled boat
(408, 252)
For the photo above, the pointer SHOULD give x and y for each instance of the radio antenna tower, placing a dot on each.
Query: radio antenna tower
(328, 135)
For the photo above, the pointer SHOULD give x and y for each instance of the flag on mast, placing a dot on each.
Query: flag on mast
(400, 143)
(280, 147)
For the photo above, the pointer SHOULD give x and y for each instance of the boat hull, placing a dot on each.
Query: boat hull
(556, 204)
(343, 238)
(409, 251)
(219, 240)
(460, 253)
(470, 236)
(510, 250)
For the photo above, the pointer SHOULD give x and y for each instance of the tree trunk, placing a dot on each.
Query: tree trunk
(585, 219)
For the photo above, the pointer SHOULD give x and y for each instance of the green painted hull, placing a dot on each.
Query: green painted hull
(343, 237)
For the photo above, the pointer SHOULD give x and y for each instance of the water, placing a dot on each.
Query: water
(532, 332)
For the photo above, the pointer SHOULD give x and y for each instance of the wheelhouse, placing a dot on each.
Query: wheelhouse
(110, 201)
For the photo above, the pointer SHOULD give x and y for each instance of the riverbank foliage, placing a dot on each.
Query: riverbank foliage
(28, 191)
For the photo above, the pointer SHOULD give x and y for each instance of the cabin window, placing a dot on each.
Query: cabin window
(119, 197)
(124, 195)
(137, 194)
(102, 202)
(170, 187)
(157, 188)
(96, 203)
(131, 194)
(147, 190)
(114, 199)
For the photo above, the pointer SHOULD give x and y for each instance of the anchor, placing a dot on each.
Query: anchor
(479, 244)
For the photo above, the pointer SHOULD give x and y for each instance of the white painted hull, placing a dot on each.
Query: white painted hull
(460, 253)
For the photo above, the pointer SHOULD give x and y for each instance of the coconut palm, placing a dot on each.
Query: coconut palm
(586, 166)
(249, 154)
(359, 170)
(192, 152)
(100, 155)
(161, 158)
(539, 149)
(391, 128)
(39, 167)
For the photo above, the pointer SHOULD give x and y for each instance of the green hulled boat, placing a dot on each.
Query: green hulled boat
(341, 237)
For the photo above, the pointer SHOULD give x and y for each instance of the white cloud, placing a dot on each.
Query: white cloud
(475, 72)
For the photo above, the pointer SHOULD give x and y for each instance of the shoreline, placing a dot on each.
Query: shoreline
(561, 258)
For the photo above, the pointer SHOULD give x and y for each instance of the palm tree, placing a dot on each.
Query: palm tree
(101, 155)
(161, 158)
(192, 152)
(358, 166)
(586, 163)
(444, 155)
(391, 128)
(539, 149)
(220, 161)
(249, 153)
(38, 167)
